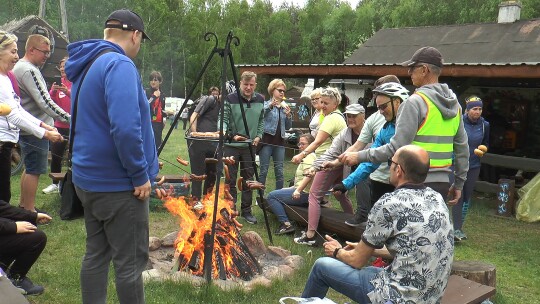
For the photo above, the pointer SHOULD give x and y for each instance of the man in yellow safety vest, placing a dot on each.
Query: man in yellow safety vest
(430, 118)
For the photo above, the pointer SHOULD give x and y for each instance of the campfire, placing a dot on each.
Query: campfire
(230, 256)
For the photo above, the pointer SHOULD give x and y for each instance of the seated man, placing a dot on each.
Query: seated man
(21, 243)
(412, 225)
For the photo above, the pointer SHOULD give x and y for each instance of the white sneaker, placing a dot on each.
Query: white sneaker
(52, 188)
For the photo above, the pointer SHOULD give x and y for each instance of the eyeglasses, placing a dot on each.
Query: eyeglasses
(384, 105)
(390, 162)
(46, 53)
(412, 68)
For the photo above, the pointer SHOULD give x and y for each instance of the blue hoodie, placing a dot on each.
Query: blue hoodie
(114, 147)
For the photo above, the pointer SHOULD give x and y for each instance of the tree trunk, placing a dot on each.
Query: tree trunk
(477, 271)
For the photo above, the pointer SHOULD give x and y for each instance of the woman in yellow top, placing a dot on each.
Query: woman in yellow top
(331, 126)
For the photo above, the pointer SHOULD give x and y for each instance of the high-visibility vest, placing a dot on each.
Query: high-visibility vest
(436, 135)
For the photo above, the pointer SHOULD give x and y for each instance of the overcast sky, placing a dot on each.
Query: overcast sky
(301, 3)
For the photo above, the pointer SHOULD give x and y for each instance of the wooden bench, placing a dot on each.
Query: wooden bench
(332, 221)
(169, 178)
(503, 161)
(462, 291)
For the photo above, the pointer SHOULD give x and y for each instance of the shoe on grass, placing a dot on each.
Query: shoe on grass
(459, 235)
(26, 287)
(249, 218)
(305, 240)
(52, 188)
(284, 229)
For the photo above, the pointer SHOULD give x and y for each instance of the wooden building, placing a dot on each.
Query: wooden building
(22, 28)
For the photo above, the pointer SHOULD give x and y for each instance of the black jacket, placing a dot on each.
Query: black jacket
(10, 214)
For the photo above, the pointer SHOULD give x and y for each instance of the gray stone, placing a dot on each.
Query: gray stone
(154, 243)
(168, 240)
(279, 251)
(152, 275)
(255, 243)
(294, 261)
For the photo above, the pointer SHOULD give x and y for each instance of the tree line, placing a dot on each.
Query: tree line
(323, 31)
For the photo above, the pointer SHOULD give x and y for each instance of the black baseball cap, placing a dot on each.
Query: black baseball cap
(129, 21)
(426, 54)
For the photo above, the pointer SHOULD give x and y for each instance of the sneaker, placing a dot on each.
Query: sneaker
(52, 188)
(305, 240)
(27, 287)
(354, 222)
(249, 218)
(459, 235)
(284, 229)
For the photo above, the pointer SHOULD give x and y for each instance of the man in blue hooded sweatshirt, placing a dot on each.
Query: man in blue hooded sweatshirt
(114, 157)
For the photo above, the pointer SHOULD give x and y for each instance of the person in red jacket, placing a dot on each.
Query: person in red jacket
(61, 95)
(21, 244)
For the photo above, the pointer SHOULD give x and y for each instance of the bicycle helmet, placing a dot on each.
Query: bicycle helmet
(392, 89)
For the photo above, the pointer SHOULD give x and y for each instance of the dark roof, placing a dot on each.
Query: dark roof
(467, 44)
(21, 27)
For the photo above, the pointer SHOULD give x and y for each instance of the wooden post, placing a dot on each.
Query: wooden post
(63, 15)
(42, 6)
(477, 271)
(505, 197)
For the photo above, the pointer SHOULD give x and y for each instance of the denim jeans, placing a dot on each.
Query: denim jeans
(331, 273)
(277, 200)
(278, 155)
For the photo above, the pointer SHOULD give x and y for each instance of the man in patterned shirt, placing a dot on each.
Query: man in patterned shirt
(411, 226)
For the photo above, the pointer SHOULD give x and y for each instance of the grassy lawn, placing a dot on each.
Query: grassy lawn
(511, 245)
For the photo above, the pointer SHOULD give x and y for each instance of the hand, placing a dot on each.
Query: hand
(286, 108)
(61, 87)
(310, 172)
(239, 138)
(350, 246)
(56, 87)
(349, 158)
(330, 245)
(329, 165)
(453, 196)
(339, 188)
(160, 164)
(143, 192)
(43, 218)
(296, 195)
(157, 93)
(297, 159)
(25, 227)
(256, 141)
(53, 136)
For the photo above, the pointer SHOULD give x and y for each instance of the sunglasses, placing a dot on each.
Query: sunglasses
(412, 68)
(474, 99)
(384, 105)
(329, 92)
(280, 91)
(3, 39)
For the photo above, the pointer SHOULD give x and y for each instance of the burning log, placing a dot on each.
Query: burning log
(194, 261)
(230, 256)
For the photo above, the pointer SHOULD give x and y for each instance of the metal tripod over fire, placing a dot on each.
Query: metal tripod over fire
(227, 61)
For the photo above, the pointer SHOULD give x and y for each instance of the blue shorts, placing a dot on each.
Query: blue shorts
(34, 153)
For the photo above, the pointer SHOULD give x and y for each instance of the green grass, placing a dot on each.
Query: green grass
(511, 245)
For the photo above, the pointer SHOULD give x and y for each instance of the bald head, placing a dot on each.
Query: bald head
(415, 163)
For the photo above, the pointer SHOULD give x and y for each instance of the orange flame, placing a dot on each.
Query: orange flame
(196, 222)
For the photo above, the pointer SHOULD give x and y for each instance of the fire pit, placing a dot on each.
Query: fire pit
(236, 260)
